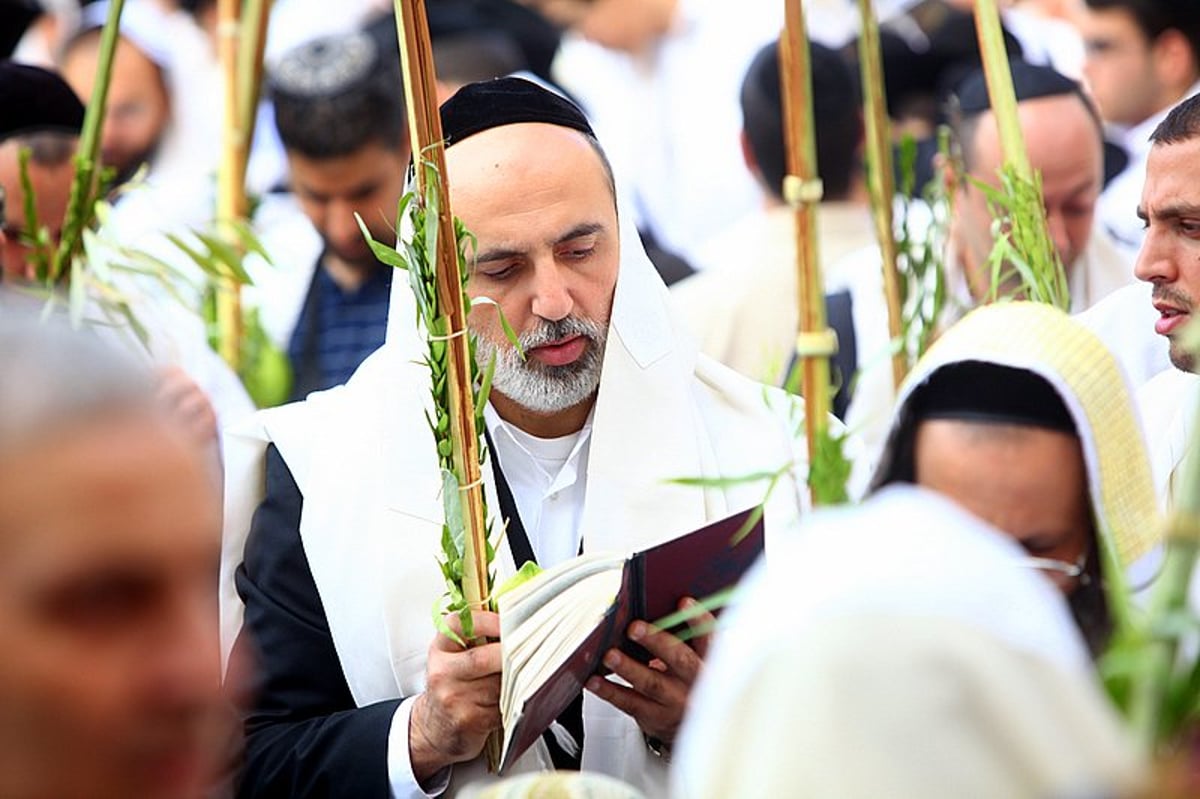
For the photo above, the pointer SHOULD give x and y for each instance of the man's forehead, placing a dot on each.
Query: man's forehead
(1039, 117)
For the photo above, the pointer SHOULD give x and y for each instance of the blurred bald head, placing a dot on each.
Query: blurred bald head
(109, 543)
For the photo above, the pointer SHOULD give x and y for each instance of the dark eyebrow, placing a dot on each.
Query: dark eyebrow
(1171, 211)
(578, 232)
(496, 254)
(503, 253)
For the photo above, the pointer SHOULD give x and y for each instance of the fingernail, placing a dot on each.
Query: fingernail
(690, 603)
(612, 660)
(593, 685)
(637, 631)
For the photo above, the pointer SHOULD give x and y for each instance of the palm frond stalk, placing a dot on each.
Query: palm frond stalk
(881, 178)
(458, 398)
(816, 343)
(241, 29)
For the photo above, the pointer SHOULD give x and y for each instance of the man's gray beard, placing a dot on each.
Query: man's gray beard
(536, 386)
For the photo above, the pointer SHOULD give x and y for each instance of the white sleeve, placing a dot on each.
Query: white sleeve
(400, 774)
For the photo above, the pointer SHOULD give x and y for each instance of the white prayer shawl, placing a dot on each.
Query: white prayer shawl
(364, 460)
(1168, 404)
(1124, 321)
(920, 659)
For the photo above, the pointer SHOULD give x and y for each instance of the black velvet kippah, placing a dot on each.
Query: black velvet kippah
(33, 99)
(987, 392)
(489, 104)
(1030, 82)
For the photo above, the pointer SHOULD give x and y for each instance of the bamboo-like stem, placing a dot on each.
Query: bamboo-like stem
(425, 127)
(231, 183)
(881, 177)
(241, 40)
(803, 191)
(1000, 86)
(1152, 680)
(252, 43)
(83, 188)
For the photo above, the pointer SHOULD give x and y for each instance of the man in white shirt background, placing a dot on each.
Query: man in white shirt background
(1142, 58)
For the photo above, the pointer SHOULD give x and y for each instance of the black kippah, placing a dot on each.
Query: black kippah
(33, 100)
(988, 392)
(489, 104)
(1030, 82)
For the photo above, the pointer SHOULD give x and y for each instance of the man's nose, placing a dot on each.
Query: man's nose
(1059, 236)
(340, 225)
(1154, 263)
(551, 295)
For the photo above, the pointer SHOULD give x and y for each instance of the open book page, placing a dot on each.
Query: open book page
(555, 628)
(544, 621)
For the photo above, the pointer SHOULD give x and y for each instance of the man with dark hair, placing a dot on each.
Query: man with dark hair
(339, 110)
(1143, 57)
(1064, 139)
(1170, 262)
(742, 304)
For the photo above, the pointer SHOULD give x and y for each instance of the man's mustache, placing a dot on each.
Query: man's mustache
(548, 331)
(1173, 296)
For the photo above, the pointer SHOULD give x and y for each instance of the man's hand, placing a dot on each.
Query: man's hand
(659, 691)
(188, 404)
(451, 721)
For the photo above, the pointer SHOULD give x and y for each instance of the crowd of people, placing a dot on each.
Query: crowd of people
(202, 598)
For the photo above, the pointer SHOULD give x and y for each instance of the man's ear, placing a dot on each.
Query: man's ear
(748, 154)
(1174, 61)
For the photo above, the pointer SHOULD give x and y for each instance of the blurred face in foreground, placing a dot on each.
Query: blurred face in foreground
(1027, 481)
(109, 663)
(1064, 145)
(540, 203)
(1170, 254)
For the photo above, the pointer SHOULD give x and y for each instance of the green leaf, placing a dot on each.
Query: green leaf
(527, 572)
(205, 261)
(382, 252)
(452, 507)
(730, 482)
(439, 623)
(829, 469)
(227, 256)
(509, 333)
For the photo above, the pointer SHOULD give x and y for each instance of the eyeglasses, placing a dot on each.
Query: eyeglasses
(1066, 570)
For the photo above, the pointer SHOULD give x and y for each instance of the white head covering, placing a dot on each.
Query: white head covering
(143, 23)
(899, 649)
(1047, 342)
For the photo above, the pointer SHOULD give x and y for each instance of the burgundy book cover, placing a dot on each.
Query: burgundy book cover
(698, 564)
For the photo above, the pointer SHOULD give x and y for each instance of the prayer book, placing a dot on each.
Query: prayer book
(555, 628)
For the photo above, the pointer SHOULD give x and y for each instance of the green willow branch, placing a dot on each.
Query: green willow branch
(85, 189)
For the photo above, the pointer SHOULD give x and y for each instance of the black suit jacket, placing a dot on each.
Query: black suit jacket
(304, 735)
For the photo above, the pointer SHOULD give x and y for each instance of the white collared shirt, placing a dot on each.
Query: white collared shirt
(548, 478)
